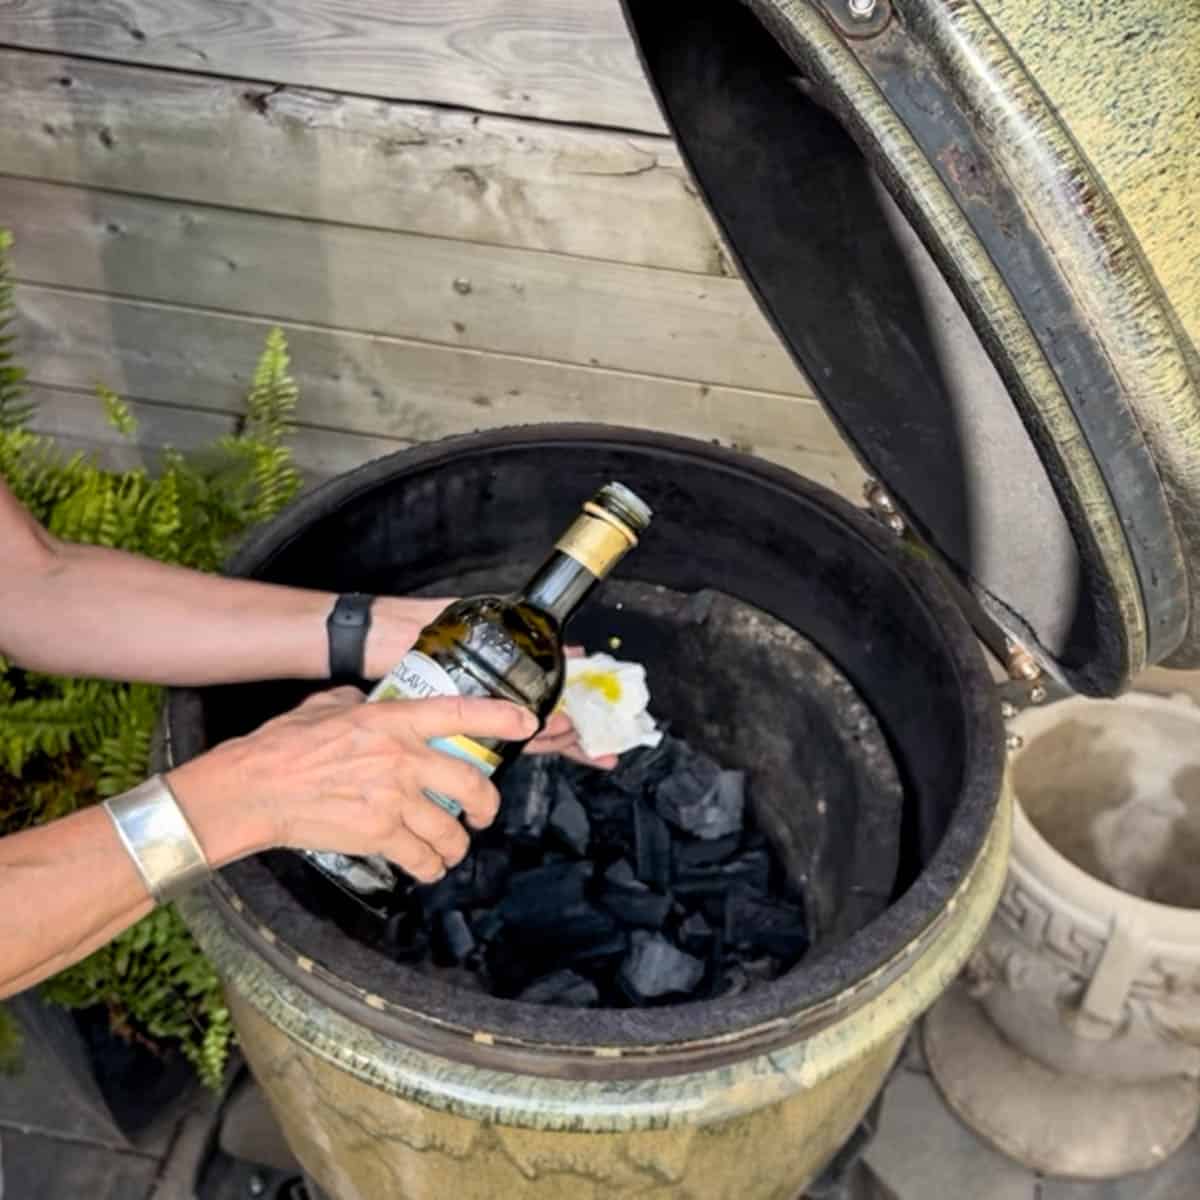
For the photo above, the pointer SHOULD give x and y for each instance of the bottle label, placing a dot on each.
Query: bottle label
(596, 543)
(417, 677)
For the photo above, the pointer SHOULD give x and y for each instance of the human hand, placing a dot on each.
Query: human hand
(396, 623)
(338, 774)
(559, 737)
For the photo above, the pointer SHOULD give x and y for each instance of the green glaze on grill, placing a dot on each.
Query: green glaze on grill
(369, 1116)
(831, 62)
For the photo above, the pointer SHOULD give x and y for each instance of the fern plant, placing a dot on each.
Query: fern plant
(15, 409)
(66, 743)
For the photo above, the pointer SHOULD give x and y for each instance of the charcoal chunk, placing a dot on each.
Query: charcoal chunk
(609, 805)
(614, 945)
(562, 987)
(578, 928)
(638, 907)
(528, 795)
(751, 870)
(695, 935)
(569, 820)
(404, 937)
(654, 968)
(620, 874)
(540, 897)
(490, 877)
(766, 926)
(642, 769)
(453, 890)
(689, 853)
(699, 798)
(487, 924)
(479, 879)
(652, 846)
(456, 941)
(731, 980)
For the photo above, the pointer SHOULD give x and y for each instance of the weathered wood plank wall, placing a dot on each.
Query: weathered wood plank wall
(463, 215)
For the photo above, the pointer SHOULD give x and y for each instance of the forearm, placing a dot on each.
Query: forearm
(110, 615)
(69, 887)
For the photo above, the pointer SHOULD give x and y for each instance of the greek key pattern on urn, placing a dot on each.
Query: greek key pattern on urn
(1041, 926)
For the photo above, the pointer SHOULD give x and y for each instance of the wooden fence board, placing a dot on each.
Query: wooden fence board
(559, 59)
(307, 153)
(523, 302)
(409, 391)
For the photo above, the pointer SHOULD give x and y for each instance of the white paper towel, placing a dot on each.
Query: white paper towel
(607, 700)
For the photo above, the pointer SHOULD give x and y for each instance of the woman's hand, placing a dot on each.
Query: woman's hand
(396, 623)
(338, 774)
(559, 737)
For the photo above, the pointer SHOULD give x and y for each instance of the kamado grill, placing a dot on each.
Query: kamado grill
(948, 214)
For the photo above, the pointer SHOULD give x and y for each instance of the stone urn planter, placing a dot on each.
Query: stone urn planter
(1083, 1056)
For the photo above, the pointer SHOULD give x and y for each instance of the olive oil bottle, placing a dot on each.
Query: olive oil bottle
(505, 647)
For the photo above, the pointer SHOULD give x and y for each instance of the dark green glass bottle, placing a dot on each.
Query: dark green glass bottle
(507, 647)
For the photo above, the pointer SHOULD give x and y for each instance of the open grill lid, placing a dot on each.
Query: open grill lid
(966, 299)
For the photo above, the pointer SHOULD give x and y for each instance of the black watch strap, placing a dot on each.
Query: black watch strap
(347, 628)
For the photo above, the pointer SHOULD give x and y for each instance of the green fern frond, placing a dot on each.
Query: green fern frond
(271, 403)
(76, 719)
(117, 412)
(164, 518)
(15, 408)
(121, 758)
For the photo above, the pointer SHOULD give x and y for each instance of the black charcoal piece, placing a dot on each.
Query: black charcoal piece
(652, 846)
(731, 799)
(765, 926)
(751, 870)
(654, 968)
(615, 946)
(456, 940)
(569, 820)
(562, 987)
(638, 906)
(641, 770)
(453, 890)
(487, 924)
(578, 927)
(492, 869)
(731, 980)
(528, 793)
(695, 935)
(609, 804)
(479, 879)
(404, 937)
(697, 853)
(701, 799)
(538, 898)
(620, 874)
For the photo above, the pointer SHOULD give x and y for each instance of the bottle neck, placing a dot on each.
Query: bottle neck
(584, 555)
(559, 587)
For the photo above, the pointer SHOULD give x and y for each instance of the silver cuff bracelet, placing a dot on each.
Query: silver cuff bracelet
(152, 827)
